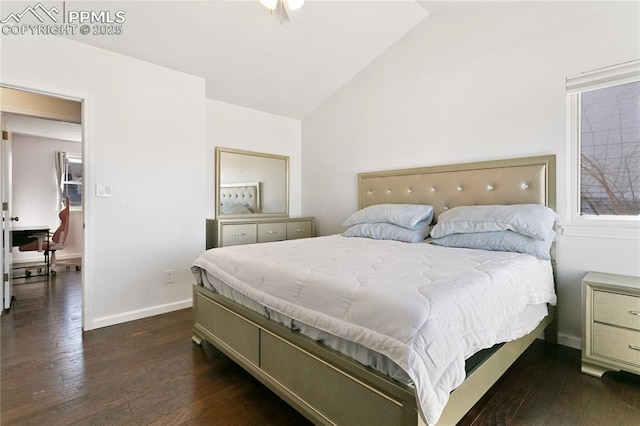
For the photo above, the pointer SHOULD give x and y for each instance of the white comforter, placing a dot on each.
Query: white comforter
(425, 307)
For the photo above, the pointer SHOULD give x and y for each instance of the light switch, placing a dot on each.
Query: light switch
(103, 190)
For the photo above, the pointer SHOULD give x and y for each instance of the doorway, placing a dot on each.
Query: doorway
(40, 132)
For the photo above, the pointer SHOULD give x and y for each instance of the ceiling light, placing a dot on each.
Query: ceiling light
(269, 4)
(295, 4)
(290, 4)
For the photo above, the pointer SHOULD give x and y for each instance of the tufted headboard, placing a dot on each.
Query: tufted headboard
(244, 194)
(530, 180)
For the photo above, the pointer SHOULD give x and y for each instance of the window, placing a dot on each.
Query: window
(71, 178)
(604, 132)
(610, 150)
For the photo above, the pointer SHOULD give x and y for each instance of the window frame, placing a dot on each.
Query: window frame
(605, 226)
(75, 158)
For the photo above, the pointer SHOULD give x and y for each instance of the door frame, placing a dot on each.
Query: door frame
(6, 189)
(88, 179)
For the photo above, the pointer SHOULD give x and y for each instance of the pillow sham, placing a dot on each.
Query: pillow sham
(404, 215)
(500, 241)
(532, 220)
(389, 231)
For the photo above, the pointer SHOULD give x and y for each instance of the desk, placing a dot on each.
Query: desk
(23, 234)
(26, 234)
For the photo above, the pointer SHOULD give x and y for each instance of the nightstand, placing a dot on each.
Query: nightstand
(611, 324)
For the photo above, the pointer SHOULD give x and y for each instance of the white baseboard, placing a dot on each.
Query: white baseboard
(40, 258)
(139, 314)
(570, 341)
(563, 339)
(67, 256)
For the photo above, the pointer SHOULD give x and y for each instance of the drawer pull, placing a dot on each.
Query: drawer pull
(635, 313)
(241, 234)
(634, 347)
(299, 229)
(271, 232)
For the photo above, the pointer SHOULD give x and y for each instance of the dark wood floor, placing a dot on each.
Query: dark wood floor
(149, 372)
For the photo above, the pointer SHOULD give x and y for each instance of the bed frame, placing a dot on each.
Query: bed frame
(328, 387)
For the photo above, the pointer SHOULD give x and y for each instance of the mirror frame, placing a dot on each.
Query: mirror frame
(219, 152)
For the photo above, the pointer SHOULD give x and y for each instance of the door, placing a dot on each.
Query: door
(7, 218)
(2, 256)
(36, 105)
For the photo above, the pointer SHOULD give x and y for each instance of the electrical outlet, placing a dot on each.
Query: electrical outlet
(168, 276)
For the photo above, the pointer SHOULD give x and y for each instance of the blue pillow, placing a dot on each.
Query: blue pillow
(532, 220)
(500, 241)
(389, 231)
(405, 215)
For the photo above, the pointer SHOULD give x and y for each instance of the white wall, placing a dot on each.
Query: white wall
(474, 85)
(35, 194)
(233, 126)
(145, 135)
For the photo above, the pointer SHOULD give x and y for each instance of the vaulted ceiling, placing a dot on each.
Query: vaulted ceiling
(248, 57)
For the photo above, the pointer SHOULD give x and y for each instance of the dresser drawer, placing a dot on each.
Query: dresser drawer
(302, 229)
(251, 230)
(234, 234)
(272, 232)
(616, 309)
(616, 343)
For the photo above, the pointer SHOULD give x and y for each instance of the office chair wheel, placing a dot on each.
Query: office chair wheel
(77, 268)
(27, 274)
(54, 273)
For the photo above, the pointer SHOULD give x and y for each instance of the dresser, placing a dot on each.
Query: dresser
(611, 323)
(231, 232)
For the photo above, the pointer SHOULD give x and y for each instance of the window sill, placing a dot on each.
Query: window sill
(602, 231)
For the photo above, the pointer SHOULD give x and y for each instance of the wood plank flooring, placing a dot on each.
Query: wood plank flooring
(149, 372)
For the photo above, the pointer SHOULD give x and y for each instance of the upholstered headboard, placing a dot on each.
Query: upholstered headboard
(244, 194)
(530, 180)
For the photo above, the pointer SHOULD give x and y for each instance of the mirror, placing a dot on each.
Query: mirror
(251, 183)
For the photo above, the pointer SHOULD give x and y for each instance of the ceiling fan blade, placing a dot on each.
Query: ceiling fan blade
(281, 12)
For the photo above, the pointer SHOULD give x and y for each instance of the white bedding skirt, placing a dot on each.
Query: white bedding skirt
(378, 362)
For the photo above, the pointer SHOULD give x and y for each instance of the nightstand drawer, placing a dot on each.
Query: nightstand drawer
(616, 309)
(272, 232)
(239, 234)
(300, 229)
(616, 343)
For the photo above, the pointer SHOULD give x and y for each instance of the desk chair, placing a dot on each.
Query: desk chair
(54, 243)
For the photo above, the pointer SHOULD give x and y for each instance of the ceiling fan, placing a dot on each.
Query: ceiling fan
(282, 8)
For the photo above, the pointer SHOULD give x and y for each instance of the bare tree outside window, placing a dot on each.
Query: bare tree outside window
(610, 151)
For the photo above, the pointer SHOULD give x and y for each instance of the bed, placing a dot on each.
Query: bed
(240, 198)
(305, 361)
